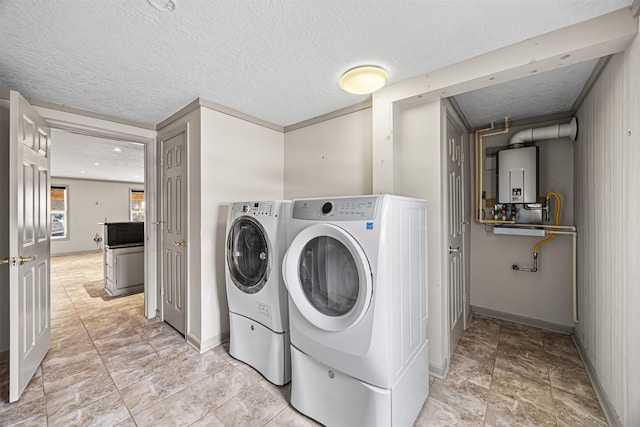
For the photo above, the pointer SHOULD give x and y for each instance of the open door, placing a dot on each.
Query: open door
(29, 245)
(174, 233)
(456, 227)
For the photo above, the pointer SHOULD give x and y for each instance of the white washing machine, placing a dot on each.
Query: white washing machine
(356, 274)
(257, 297)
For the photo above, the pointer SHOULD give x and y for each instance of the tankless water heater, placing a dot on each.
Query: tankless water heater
(518, 175)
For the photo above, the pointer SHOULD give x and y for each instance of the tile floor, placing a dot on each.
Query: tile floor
(109, 366)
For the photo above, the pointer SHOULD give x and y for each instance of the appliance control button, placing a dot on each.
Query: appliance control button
(327, 207)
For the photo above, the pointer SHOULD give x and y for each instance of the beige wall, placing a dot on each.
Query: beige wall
(89, 203)
(330, 158)
(607, 198)
(542, 296)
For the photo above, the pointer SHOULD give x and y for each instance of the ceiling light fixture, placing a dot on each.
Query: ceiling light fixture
(163, 5)
(117, 150)
(96, 164)
(363, 80)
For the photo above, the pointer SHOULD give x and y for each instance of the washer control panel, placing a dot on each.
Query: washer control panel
(258, 209)
(338, 209)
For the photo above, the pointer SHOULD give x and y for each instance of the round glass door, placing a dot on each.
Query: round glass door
(328, 277)
(248, 255)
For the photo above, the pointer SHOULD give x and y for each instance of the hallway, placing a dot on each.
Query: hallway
(108, 365)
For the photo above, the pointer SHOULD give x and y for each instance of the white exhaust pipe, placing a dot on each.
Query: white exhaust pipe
(548, 132)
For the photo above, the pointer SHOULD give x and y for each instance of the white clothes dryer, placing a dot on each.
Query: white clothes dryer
(257, 297)
(356, 274)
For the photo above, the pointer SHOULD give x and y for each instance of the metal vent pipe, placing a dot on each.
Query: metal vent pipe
(548, 132)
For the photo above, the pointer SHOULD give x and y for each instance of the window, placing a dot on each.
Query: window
(136, 202)
(59, 218)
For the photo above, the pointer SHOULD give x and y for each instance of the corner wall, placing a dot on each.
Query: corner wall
(607, 203)
(237, 161)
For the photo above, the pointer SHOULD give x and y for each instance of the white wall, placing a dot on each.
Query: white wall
(545, 295)
(417, 158)
(230, 160)
(330, 158)
(89, 203)
(607, 199)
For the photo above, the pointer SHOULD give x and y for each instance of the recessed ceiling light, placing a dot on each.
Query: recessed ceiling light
(117, 150)
(82, 172)
(363, 80)
(96, 164)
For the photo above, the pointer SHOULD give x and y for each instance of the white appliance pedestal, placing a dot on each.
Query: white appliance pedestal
(258, 346)
(336, 399)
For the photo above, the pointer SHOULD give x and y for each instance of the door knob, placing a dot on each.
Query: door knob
(181, 243)
(454, 250)
(27, 259)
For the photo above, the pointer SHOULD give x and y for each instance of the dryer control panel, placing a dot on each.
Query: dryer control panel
(338, 209)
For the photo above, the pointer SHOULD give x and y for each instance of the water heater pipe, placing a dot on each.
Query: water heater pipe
(547, 132)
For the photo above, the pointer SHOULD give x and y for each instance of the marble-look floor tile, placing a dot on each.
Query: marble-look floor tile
(151, 390)
(289, 417)
(578, 411)
(471, 370)
(524, 389)
(32, 413)
(560, 345)
(468, 401)
(33, 392)
(476, 350)
(195, 368)
(522, 333)
(438, 414)
(529, 364)
(61, 376)
(78, 395)
(122, 355)
(569, 376)
(503, 411)
(209, 420)
(253, 406)
(108, 411)
(132, 371)
(180, 409)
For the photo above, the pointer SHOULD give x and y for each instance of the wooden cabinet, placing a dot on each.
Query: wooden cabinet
(124, 270)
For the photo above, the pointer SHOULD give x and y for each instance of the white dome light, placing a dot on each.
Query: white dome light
(363, 80)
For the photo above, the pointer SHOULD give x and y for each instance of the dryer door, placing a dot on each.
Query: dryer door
(248, 254)
(328, 277)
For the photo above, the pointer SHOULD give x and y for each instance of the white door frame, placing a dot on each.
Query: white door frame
(105, 128)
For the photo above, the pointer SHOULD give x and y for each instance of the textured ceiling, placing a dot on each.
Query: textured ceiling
(276, 60)
(534, 96)
(87, 157)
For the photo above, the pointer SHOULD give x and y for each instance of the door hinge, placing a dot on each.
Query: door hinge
(464, 297)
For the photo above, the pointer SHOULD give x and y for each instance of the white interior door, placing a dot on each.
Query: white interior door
(29, 245)
(456, 226)
(174, 245)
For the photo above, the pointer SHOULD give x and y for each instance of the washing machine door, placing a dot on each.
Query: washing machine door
(328, 277)
(248, 254)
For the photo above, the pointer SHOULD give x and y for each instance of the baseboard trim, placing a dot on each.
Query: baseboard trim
(609, 411)
(93, 251)
(548, 326)
(203, 346)
(439, 371)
